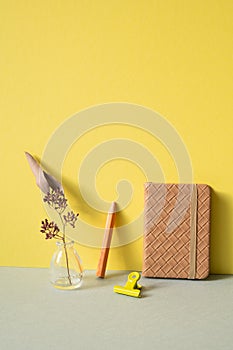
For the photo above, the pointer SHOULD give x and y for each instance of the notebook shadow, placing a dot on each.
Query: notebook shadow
(221, 253)
(218, 277)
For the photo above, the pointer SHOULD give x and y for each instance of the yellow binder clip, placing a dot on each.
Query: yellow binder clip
(131, 288)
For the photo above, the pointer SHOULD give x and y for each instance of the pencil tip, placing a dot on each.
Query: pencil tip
(112, 208)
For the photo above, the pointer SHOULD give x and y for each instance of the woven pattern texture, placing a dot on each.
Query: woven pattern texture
(167, 230)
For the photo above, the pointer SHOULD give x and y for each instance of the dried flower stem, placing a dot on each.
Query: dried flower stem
(65, 248)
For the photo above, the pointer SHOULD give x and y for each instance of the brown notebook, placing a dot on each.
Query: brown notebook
(176, 231)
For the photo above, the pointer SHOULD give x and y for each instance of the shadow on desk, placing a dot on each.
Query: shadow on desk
(90, 280)
(217, 277)
(221, 251)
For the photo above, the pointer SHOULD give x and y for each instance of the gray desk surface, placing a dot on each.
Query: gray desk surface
(172, 314)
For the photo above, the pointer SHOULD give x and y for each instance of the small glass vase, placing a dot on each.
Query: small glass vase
(66, 271)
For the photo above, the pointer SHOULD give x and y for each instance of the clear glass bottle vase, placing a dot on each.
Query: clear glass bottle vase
(66, 271)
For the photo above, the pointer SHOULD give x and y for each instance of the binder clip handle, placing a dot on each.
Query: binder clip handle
(133, 278)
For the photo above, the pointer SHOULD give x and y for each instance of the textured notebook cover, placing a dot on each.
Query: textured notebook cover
(176, 231)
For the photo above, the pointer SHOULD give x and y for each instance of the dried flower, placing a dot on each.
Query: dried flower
(50, 229)
(71, 218)
(56, 199)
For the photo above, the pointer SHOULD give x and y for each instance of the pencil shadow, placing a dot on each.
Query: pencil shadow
(117, 273)
(90, 280)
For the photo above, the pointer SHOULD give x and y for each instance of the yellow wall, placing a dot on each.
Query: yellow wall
(59, 57)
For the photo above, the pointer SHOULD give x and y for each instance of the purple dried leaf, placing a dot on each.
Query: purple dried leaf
(43, 180)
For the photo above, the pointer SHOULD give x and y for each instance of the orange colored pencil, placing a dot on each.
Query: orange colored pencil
(106, 241)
